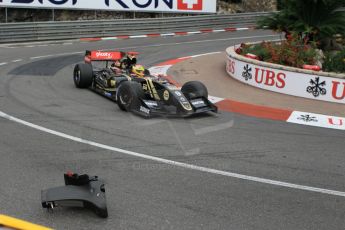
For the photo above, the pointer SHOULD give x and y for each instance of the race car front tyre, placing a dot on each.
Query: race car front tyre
(83, 75)
(129, 94)
(194, 89)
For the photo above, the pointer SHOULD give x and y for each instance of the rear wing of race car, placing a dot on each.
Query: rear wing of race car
(97, 55)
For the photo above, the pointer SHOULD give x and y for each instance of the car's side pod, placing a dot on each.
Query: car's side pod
(79, 191)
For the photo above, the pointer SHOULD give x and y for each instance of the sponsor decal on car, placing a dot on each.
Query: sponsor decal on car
(198, 102)
(101, 55)
(151, 103)
(145, 88)
(166, 95)
(107, 94)
(178, 93)
(144, 110)
(183, 99)
(186, 105)
(172, 87)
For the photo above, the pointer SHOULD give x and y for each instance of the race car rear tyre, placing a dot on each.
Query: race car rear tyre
(83, 75)
(129, 95)
(194, 89)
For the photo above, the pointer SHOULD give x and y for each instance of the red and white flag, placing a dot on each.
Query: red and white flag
(189, 4)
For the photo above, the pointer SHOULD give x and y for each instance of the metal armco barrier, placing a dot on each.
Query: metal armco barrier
(45, 31)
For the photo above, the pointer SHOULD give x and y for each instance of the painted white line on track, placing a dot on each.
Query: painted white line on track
(53, 55)
(3, 63)
(200, 55)
(6, 46)
(175, 163)
(227, 39)
(45, 56)
(162, 44)
(202, 41)
(18, 60)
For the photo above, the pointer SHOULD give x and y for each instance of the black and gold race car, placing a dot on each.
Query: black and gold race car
(141, 92)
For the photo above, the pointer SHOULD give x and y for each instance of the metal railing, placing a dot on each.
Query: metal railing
(45, 31)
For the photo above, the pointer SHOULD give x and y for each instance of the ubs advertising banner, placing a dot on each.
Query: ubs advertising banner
(180, 6)
(287, 82)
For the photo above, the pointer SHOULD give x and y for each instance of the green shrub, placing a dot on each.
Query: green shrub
(259, 50)
(292, 52)
(335, 62)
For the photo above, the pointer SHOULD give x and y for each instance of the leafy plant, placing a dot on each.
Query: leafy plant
(259, 50)
(335, 62)
(292, 52)
(316, 20)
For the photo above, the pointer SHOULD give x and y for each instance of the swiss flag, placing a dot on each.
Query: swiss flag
(189, 4)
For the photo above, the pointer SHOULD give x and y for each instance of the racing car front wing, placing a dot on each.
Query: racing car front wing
(150, 108)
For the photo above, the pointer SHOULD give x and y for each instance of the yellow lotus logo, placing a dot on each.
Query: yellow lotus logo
(166, 95)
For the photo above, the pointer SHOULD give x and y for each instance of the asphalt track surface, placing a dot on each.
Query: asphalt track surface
(36, 86)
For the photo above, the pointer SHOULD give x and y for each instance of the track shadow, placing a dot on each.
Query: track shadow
(46, 67)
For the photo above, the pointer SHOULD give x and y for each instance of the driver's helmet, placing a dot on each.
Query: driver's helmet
(117, 64)
(130, 56)
(116, 67)
(131, 59)
(138, 70)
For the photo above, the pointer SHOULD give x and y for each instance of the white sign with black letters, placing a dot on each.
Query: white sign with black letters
(187, 6)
